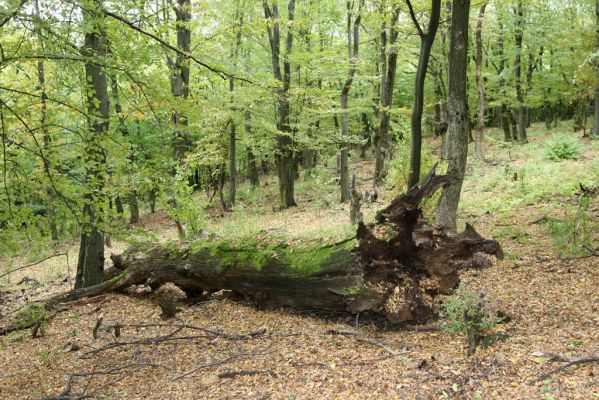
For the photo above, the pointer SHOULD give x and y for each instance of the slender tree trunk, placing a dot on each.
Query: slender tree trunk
(352, 51)
(480, 85)
(180, 75)
(232, 132)
(366, 132)
(153, 201)
(252, 165)
(505, 117)
(519, 32)
(41, 75)
(90, 265)
(133, 208)
(132, 197)
(119, 206)
(505, 123)
(383, 142)
(457, 132)
(284, 156)
(426, 43)
(232, 164)
(180, 89)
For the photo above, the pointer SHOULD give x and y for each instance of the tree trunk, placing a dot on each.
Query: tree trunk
(366, 135)
(480, 85)
(457, 132)
(252, 166)
(133, 208)
(41, 75)
(119, 206)
(505, 118)
(426, 43)
(232, 133)
(397, 277)
(180, 76)
(513, 124)
(90, 265)
(352, 50)
(153, 195)
(383, 142)
(505, 123)
(519, 32)
(284, 156)
(132, 198)
(232, 163)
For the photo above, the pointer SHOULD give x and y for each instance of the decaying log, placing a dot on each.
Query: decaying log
(395, 268)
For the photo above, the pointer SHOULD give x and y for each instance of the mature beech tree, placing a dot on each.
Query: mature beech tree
(90, 266)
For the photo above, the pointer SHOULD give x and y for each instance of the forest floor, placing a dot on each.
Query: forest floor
(233, 350)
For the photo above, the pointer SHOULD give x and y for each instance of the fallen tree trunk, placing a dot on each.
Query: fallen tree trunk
(394, 267)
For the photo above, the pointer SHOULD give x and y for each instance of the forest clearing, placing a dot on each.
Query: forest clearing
(298, 199)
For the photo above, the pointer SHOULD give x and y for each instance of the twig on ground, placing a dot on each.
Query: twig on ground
(65, 394)
(220, 362)
(361, 338)
(32, 264)
(171, 336)
(568, 363)
(233, 374)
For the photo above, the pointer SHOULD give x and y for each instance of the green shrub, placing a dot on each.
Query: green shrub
(562, 147)
(465, 312)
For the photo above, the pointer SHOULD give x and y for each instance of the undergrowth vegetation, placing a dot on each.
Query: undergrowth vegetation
(562, 147)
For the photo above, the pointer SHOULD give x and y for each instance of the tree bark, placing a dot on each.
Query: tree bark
(352, 50)
(457, 132)
(284, 157)
(426, 43)
(480, 85)
(90, 265)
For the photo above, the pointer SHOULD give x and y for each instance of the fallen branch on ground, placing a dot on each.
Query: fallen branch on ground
(171, 336)
(32, 264)
(568, 363)
(220, 362)
(65, 394)
(233, 374)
